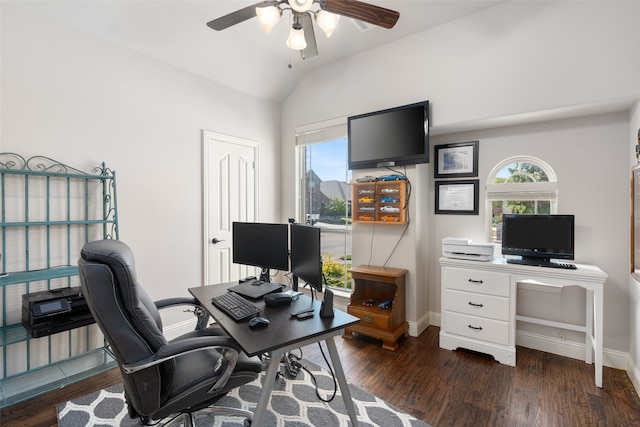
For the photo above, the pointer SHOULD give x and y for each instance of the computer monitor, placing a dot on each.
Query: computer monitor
(262, 245)
(538, 238)
(306, 263)
(306, 256)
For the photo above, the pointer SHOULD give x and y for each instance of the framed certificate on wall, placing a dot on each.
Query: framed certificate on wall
(457, 197)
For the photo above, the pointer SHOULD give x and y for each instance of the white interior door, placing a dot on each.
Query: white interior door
(230, 195)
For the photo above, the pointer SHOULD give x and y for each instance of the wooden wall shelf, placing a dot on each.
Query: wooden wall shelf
(382, 202)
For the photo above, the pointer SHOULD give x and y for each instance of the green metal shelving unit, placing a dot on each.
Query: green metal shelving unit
(48, 212)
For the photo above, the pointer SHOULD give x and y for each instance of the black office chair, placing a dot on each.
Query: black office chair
(161, 378)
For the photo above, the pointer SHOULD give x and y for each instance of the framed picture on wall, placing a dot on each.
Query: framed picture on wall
(457, 197)
(457, 160)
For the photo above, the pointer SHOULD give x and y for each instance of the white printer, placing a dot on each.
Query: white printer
(463, 248)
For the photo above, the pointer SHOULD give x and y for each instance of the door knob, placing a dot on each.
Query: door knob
(216, 240)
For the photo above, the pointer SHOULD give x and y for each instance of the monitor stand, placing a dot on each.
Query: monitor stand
(529, 261)
(326, 308)
(264, 275)
(540, 262)
(303, 312)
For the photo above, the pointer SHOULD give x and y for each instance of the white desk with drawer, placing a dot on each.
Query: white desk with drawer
(479, 306)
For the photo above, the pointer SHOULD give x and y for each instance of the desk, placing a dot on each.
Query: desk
(479, 306)
(283, 334)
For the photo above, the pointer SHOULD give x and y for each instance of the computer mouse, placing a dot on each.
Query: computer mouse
(258, 321)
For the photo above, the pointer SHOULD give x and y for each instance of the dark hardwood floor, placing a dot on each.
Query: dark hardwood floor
(441, 387)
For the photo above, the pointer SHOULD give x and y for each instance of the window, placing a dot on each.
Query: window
(519, 185)
(323, 194)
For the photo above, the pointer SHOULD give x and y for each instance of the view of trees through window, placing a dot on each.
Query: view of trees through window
(513, 199)
(326, 203)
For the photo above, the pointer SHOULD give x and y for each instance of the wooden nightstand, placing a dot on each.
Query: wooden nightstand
(378, 284)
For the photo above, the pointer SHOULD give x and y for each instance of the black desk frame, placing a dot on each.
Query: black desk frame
(283, 334)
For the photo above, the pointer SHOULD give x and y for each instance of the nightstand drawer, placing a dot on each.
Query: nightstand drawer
(475, 304)
(469, 280)
(480, 328)
(369, 317)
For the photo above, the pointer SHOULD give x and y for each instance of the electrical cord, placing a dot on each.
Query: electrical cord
(373, 233)
(315, 382)
(292, 367)
(406, 208)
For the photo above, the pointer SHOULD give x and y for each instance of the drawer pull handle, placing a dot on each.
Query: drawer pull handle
(476, 328)
(368, 319)
(479, 282)
(472, 304)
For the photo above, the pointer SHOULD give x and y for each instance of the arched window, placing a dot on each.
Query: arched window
(519, 184)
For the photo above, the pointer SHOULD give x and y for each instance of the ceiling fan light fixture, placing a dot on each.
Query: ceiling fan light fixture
(302, 33)
(296, 40)
(327, 21)
(268, 16)
(300, 5)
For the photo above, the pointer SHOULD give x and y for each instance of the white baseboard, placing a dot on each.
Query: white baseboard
(575, 350)
(634, 373)
(418, 327)
(434, 319)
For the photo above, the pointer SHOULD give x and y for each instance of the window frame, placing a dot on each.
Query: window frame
(547, 190)
(317, 133)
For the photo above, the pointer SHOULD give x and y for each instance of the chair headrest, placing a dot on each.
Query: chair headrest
(108, 251)
(120, 260)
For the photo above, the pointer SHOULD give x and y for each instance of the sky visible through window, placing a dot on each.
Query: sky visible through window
(329, 160)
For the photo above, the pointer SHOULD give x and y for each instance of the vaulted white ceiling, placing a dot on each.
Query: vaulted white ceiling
(242, 57)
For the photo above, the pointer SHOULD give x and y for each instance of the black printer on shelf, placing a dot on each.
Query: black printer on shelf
(56, 310)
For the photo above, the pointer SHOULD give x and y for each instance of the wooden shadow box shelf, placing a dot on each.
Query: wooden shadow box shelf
(381, 202)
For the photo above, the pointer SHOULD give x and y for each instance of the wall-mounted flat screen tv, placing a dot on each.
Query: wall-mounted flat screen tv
(393, 137)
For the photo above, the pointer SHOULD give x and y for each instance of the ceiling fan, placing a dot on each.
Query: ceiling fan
(302, 36)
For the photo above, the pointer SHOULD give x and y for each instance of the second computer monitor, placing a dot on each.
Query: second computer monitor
(306, 258)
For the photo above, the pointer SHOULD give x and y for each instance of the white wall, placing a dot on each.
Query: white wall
(519, 62)
(81, 100)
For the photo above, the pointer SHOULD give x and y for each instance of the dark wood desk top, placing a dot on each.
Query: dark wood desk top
(283, 330)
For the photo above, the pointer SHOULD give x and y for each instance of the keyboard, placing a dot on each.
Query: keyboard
(235, 306)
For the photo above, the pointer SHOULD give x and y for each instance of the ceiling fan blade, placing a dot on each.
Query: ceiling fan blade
(376, 15)
(238, 16)
(309, 36)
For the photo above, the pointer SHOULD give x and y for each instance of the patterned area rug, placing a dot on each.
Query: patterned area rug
(293, 403)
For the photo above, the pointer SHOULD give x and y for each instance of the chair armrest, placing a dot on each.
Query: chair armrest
(171, 302)
(178, 348)
(200, 312)
(228, 349)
